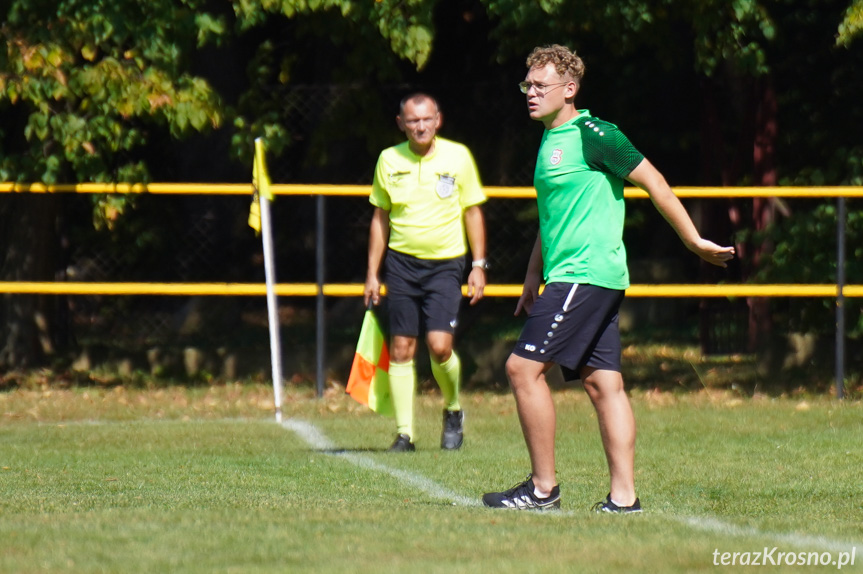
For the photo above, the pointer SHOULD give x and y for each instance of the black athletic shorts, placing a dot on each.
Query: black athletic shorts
(422, 293)
(573, 325)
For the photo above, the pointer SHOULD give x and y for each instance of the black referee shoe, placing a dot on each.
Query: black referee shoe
(402, 444)
(453, 430)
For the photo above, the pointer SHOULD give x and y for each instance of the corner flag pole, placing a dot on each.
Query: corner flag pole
(272, 306)
(262, 181)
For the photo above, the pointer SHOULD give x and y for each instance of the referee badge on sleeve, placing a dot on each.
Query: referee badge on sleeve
(445, 186)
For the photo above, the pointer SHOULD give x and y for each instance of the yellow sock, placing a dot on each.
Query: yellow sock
(403, 382)
(448, 377)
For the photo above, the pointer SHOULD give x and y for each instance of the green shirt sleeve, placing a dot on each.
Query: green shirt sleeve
(606, 149)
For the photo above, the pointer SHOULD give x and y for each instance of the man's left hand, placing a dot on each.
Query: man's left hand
(476, 284)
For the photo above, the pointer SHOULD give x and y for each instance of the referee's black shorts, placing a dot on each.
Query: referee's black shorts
(422, 293)
(573, 325)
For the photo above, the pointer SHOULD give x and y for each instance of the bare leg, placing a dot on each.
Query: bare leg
(537, 416)
(440, 345)
(402, 348)
(617, 428)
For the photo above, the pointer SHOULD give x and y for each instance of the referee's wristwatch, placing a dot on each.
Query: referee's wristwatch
(481, 263)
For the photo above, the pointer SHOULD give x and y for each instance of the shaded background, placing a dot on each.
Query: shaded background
(760, 96)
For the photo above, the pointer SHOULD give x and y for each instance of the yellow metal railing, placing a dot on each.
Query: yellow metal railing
(355, 289)
(362, 190)
(837, 291)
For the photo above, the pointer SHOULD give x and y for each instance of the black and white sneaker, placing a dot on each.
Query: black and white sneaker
(402, 444)
(453, 430)
(522, 497)
(608, 506)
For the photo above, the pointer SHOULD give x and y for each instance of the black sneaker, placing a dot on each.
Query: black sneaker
(402, 444)
(521, 497)
(453, 430)
(608, 506)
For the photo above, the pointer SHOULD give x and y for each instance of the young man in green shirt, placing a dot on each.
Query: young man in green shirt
(427, 197)
(581, 167)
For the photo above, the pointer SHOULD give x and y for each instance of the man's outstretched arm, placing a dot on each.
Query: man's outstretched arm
(650, 180)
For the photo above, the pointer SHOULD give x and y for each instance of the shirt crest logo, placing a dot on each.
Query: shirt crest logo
(556, 156)
(445, 185)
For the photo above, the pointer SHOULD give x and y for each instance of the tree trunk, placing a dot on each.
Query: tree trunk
(763, 209)
(719, 221)
(757, 135)
(28, 223)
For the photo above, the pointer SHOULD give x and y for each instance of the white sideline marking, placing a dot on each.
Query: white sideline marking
(798, 540)
(317, 440)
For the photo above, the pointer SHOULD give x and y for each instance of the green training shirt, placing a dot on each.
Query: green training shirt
(579, 178)
(426, 197)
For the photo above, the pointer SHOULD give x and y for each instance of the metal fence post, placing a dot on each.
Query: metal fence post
(320, 258)
(840, 297)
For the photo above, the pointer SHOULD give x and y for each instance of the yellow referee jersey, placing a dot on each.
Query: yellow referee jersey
(426, 197)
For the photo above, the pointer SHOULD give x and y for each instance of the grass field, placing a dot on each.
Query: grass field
(203, 480)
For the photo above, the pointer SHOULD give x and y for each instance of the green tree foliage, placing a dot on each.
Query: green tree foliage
(95, 80)
(805, 252)
(405, 23)
(754, 91)
(852, 25)
(96, 90)
(85, 88)
(336, 42)
(779, 103)
(722, 31)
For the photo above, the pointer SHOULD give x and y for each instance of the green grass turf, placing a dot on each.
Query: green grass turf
(204, 480)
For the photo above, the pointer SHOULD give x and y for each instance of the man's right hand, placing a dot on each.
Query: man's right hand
(372, 291)
(529, 294)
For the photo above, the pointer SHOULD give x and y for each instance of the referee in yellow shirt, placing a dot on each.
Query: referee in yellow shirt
(427, 196)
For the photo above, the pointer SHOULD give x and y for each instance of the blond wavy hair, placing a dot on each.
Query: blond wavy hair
(565, 61)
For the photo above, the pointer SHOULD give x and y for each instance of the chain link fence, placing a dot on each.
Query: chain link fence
(337, 135)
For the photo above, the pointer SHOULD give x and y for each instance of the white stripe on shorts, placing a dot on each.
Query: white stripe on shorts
(569, 297)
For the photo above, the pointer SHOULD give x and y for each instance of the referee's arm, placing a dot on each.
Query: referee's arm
(379, 232)
(474, 224)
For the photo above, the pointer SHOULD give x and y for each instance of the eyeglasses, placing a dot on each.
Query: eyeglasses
(540, 89)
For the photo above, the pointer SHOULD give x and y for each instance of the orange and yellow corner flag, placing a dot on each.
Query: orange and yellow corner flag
(369, 381)
(261, 183)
